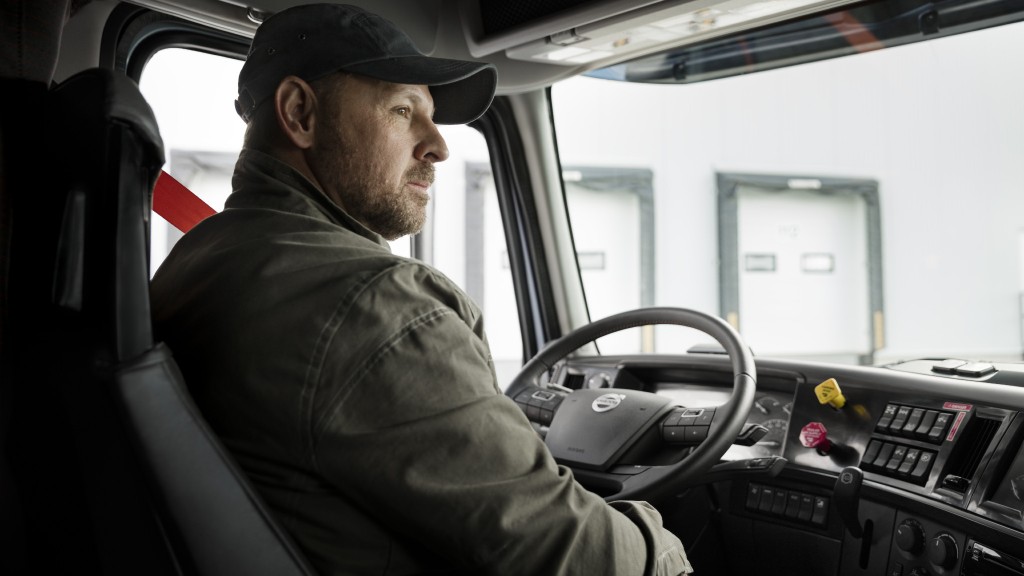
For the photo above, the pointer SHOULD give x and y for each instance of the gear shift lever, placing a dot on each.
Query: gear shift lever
(847, 498)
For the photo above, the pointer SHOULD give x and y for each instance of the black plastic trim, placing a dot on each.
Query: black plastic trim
(134, 34)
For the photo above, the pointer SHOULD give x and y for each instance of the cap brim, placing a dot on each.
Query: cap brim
(462, 91)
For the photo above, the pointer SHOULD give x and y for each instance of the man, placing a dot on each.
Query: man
(356, 387)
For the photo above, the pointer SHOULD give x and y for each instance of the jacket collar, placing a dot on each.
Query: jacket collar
(260, 180)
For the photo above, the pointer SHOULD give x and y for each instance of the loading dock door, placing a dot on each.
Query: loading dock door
(613, 232)
(606, 231)
(802, 270)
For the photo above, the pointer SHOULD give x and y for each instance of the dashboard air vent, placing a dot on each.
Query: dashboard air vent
(968, 453)
(573, 381)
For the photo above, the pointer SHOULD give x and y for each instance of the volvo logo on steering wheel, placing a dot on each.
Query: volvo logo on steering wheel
(607, 402)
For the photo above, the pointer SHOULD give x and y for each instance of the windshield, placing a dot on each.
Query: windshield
(864, 208)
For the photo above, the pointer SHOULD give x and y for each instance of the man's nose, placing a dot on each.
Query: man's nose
(432, 147)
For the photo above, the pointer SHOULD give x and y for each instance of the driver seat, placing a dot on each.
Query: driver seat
(118, 471)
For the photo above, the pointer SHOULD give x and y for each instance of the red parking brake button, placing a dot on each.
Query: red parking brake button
(814, 435)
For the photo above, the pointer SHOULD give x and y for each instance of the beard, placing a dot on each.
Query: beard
(386, 208)
(355, 177)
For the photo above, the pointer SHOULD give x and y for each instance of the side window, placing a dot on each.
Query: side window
(192, 94)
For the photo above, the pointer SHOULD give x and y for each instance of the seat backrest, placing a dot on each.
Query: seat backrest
(118, 471)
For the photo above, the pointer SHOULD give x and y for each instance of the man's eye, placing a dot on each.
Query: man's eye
(404, 111)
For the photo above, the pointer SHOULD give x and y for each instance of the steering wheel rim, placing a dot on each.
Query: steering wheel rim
(729, 417)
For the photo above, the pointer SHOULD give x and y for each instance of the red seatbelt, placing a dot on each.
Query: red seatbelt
(177, 204)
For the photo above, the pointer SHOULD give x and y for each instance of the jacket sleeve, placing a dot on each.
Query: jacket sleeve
(419, 433)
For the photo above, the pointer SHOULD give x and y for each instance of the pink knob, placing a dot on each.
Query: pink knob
(814, 435)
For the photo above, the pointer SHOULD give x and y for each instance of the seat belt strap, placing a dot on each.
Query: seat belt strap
(179, 205)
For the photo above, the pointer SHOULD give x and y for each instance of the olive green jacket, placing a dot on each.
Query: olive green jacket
(357, 390)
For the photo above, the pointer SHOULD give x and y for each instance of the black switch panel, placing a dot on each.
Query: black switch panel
(913, 422)
(793, 505)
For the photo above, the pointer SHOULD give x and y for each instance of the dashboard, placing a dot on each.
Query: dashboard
(932, 457)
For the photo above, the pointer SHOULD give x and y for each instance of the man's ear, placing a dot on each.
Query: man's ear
(295, 107)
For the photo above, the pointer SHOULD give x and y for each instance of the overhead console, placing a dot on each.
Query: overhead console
(573, 32)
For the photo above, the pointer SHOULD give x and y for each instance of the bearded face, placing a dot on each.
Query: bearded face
(375, 151)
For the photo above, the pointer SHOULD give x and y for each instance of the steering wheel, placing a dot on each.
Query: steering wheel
(593, 431)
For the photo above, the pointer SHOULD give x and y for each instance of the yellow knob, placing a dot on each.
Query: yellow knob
(828, 392)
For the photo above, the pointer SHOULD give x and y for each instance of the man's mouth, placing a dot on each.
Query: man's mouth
(421, 177)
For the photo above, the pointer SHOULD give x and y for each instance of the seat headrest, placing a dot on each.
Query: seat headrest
(99, 97)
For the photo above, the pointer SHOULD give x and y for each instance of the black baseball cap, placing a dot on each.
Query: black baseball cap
(313, 40)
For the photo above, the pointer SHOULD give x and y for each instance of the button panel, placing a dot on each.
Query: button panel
(539, 405)
(898, 460)
(793, 505)
(913, 422)
(687, 425)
